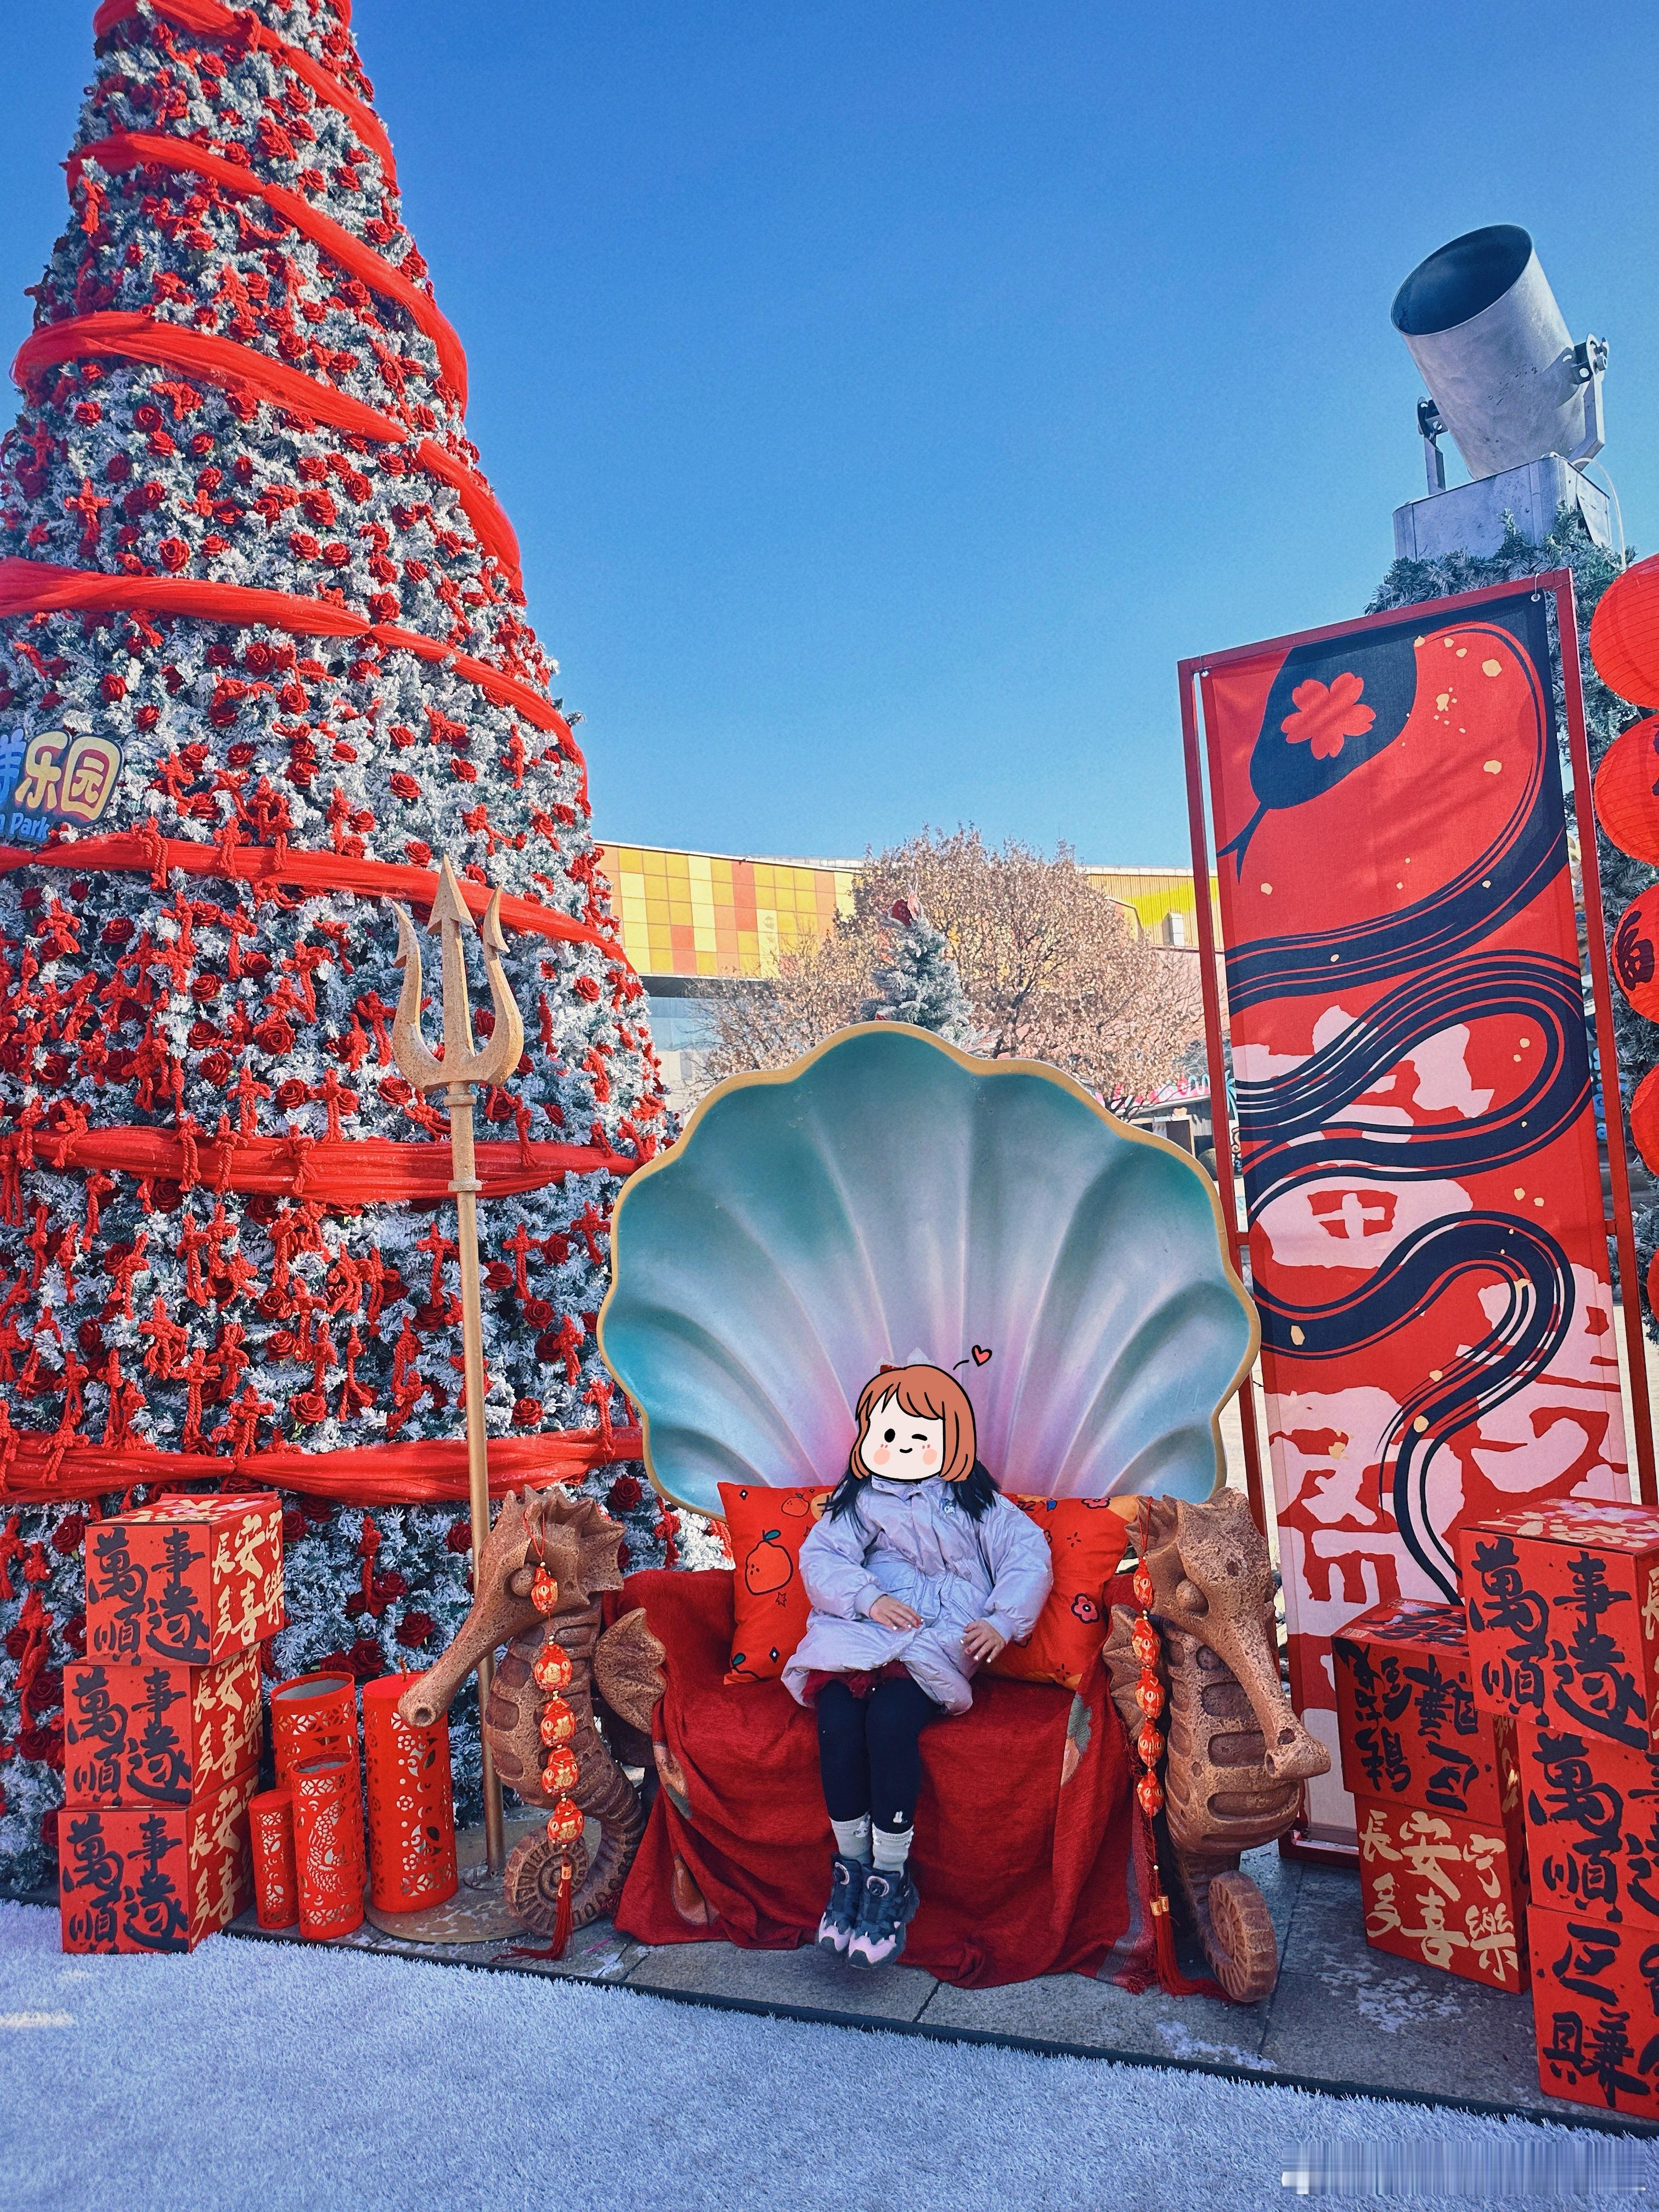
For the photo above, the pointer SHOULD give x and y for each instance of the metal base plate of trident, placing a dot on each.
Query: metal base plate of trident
(459, 1074)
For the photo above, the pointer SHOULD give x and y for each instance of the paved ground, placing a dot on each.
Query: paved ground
(1343, 2015)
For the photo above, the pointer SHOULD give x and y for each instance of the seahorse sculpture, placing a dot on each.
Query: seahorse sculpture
(1237, 1755)
(617, 1670)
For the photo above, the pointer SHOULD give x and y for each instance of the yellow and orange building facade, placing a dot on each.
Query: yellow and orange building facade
(687, 915)
(690, 920)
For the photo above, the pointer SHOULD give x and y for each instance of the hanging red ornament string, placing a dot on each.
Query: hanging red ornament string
(551, 1670)
(1148, 1648)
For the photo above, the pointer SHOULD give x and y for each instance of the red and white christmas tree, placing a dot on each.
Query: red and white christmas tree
(264, 659)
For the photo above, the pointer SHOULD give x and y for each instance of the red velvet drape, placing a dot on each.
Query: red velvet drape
(1024, 1832)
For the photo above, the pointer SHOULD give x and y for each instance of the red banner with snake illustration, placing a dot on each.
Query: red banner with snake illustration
(1415, 1113)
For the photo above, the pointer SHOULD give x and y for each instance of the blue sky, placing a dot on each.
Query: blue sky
(886, 395)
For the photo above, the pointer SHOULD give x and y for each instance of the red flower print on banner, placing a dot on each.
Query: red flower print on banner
(1327, 712)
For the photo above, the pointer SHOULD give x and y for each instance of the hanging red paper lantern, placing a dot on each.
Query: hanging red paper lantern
(1644, 1119)
(1624, 635)
(275, 1886)
(1633, 953)
(1627, 791)
(411, 1807)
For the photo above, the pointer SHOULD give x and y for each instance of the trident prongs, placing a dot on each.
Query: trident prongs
(464, 1062)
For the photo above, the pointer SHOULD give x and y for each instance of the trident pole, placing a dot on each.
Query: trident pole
(466, 1185)
(462, 1068)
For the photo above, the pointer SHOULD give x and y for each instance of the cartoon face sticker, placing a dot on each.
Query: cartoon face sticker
(904, 1447)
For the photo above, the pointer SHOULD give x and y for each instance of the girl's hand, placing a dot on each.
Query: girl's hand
(981, 1641)
(893, 1612)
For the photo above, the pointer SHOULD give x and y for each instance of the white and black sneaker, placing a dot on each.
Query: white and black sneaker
(886, 1910)
(840, 1915)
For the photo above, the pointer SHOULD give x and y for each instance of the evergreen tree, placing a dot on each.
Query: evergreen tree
(1594, 568)
(919, 982)
(263, 658)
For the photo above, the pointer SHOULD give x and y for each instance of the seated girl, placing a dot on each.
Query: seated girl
(919, 1573)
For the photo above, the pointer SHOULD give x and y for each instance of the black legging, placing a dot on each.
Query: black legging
(868, 1751)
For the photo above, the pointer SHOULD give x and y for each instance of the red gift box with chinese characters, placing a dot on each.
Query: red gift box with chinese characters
(1592, 1816)
(155, 1735)
(1445, 1891)
(1596, 2011)
(154, 1878)
(187, 1580)
(1410, 1730)
(1563, 1604)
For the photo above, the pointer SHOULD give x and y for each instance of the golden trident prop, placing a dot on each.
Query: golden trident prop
(462, 1069)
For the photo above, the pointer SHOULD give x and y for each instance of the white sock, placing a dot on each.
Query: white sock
(852, 1837)
(892, 1849)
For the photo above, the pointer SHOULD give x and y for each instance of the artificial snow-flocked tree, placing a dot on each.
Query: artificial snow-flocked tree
(1594, 568)
(919, 981)
(264, 659)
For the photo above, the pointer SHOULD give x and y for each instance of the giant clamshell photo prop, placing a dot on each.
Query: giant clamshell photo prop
(890, 1198)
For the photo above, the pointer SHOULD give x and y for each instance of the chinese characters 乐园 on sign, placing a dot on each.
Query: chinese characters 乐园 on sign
(57, 775)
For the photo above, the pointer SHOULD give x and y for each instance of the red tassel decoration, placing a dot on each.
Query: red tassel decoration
(562, 1918)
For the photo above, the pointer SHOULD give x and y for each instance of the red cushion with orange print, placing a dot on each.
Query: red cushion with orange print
(1086, 1540)
(766, 1528)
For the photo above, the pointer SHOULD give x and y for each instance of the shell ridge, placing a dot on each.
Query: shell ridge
(701, 1352)
(1092, 1228)
(1117, 1410)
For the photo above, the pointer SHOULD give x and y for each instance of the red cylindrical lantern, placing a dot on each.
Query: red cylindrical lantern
(411, 1806)
(275, 1886)
(311, 1715)
(328, 1844)
(1624, 636)
(1627, 791)
(1634, 953)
